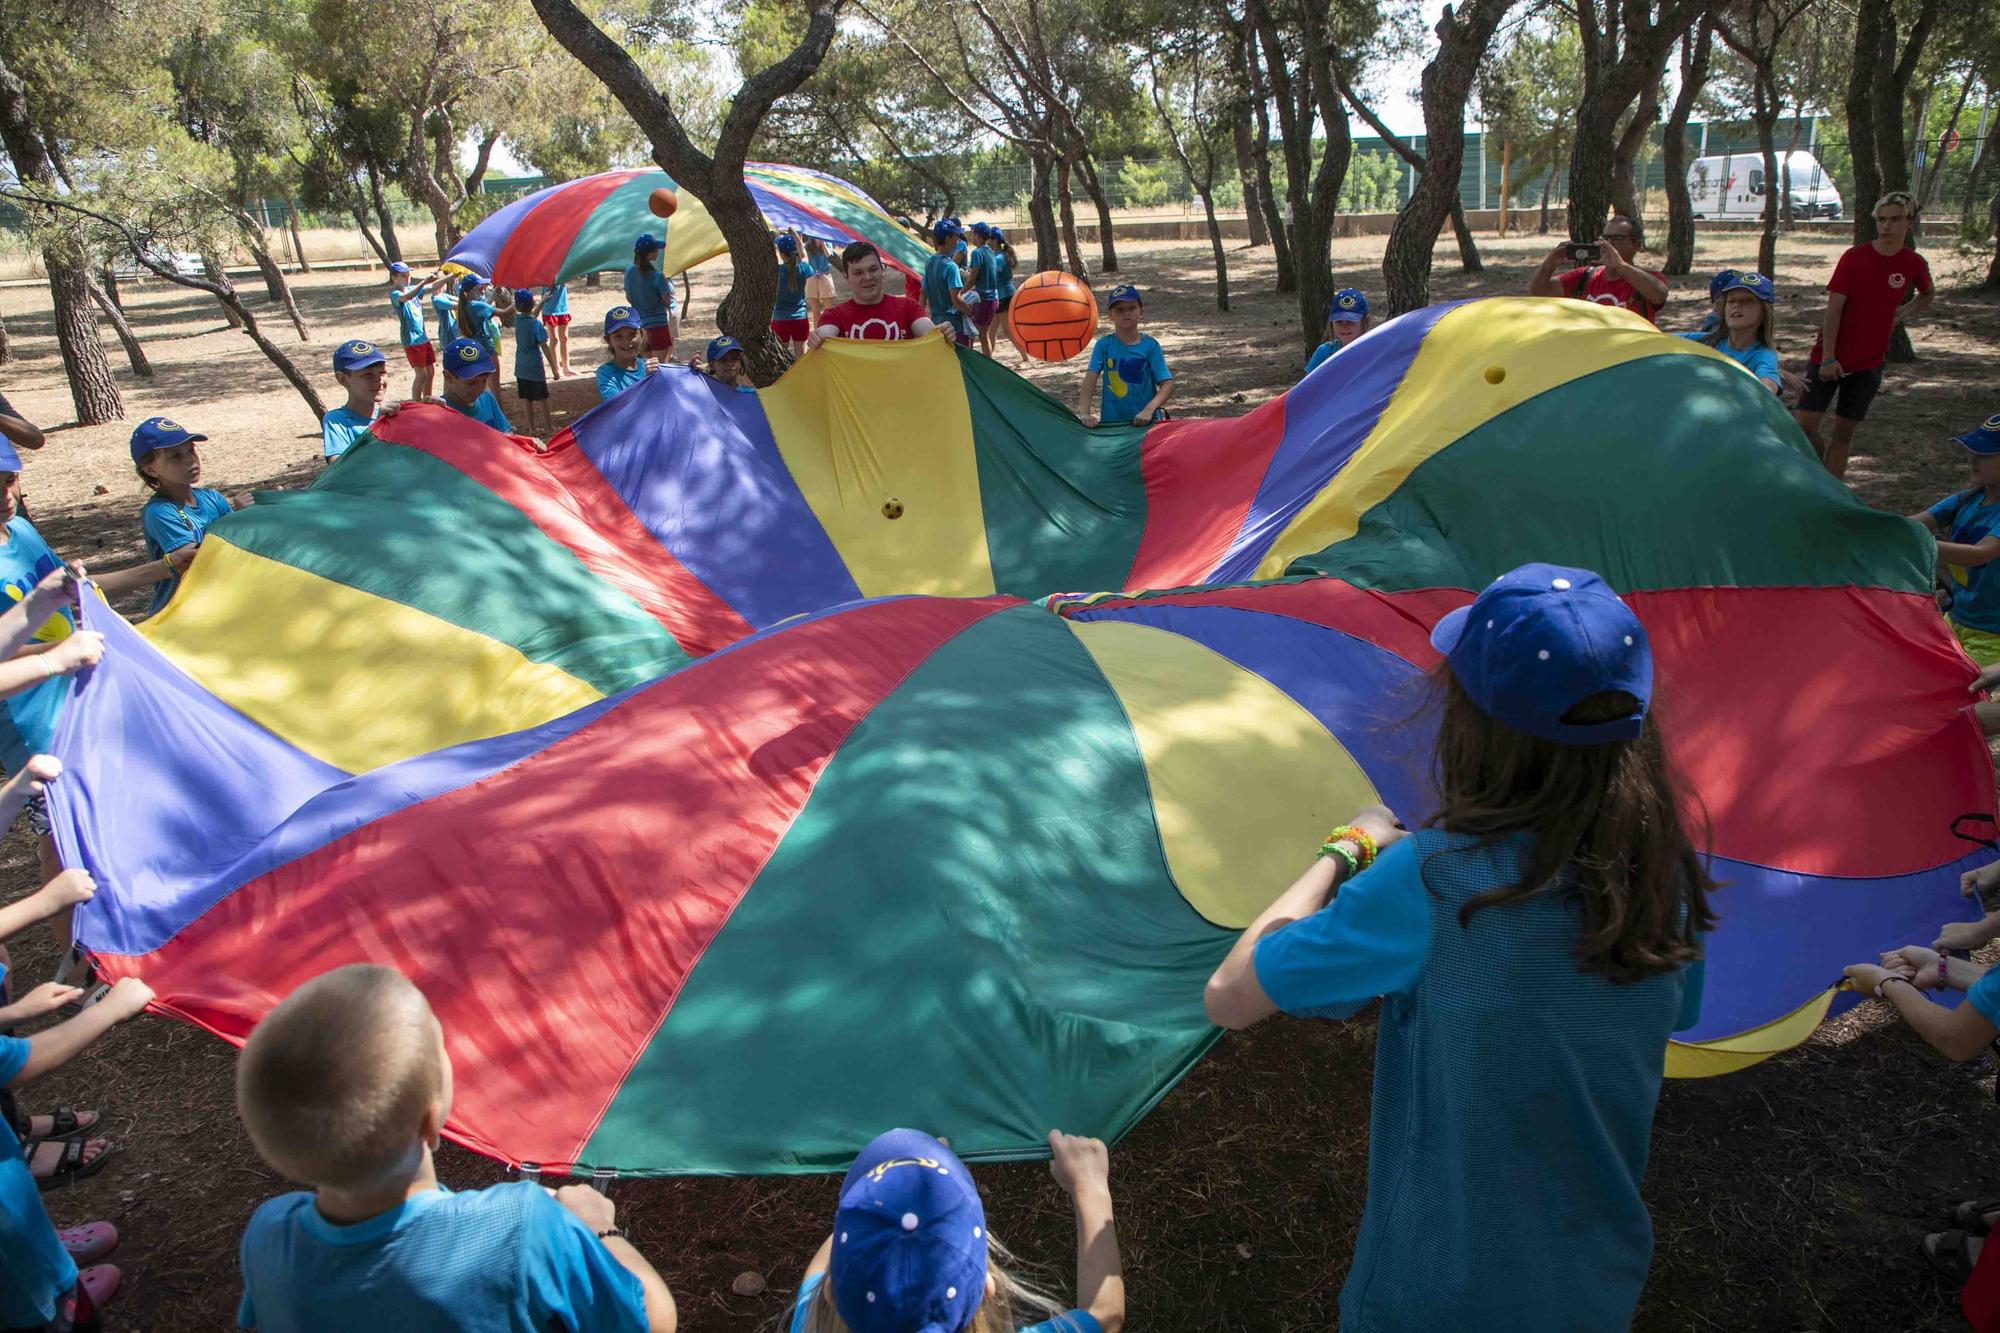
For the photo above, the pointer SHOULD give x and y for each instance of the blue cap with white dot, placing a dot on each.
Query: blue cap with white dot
(909, 1239)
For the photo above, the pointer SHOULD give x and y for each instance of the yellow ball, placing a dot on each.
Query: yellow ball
(1494, 374)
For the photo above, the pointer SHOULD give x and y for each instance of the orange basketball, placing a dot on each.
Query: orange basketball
(1053, 317)
(663, 202)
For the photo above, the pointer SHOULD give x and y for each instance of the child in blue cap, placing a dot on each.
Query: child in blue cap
(179, 511)
(477, 317)
(985, 282)
(629, 364)
(360, 369)
(1747, 333)
(725, 363)
(1967, 527)
(470, 372)
(945, 291)
(650, 293)
(554, 308)
(1346, 320)
(1534, 947)
(910, 1252)
(445, 305)
(533, 359)
(405, 298)
(1137, 383)
(789, 319)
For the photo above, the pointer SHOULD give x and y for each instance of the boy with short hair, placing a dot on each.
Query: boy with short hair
(868, 313)
(944, 285)
(725, 363)
(1136, 381)
(531, 354)
(469, 375)
(1967, 527)
(360, 368)
(405, 297)
(346, 1086)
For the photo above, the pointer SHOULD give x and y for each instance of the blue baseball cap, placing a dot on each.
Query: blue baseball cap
(524, 296)
(1756, 284)
(721, 347)
(909, 1239)
(980, 229)
(357, 354)
(9, 460)
(399, 267)
(1124, 291)
(996, 233)
(158, 433)
(946, 227)
(470, 281)
(1540, 640)
(1349, 307)
(648, 242)
(1983, 439)
(787, 243)
(469, 358)
(621, 317)
(1719, 281)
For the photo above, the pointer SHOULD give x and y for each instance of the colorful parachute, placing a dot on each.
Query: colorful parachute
(587, 225)
(727, 811)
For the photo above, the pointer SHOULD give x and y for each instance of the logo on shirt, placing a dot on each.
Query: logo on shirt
(886, 330)
(1604, 298)
(1896, 281)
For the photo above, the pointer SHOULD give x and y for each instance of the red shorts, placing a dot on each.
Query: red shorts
(421, 354)
(660, 338)
(554, 321)
(792, 330)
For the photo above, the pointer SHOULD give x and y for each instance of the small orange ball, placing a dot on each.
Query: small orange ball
(663, 202)
(1053, 316)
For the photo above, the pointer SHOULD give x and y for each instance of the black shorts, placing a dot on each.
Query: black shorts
(1849, 395)
(1007, 300)
(532, 391)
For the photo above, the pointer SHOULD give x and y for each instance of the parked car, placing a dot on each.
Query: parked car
(125, 268)
(1732, 186)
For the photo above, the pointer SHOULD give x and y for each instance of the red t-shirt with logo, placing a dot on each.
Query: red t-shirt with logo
(890, 319)
(1596, 284)
(1874, 285)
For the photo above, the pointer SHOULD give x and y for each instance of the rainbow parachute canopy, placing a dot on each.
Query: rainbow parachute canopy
(725, 818)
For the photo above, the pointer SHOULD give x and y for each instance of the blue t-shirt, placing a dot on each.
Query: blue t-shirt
(1757, 358)
(340, 428)
(1984, 995)
(611, 381)
(818, 264)
(650, 294)
(35, 1270)
(1514, 1093)
(1076, 1321)
(28, 719)
(790, 302)
(505, 1257)
(941, 279)
(1975, 599)
(1131, 371)
(1004, 272)
(1321, 354)
(170, 526)
(409, 315)
(529, 335)
(985, 274)
(555, 300)
(486, 325)
(445, 305)
(486, 409)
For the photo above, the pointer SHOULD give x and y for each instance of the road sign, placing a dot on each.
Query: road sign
(1948, 140)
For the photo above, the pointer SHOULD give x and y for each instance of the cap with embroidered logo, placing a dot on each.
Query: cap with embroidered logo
(1756, 284)
(647, 243)
(909, 1239)
(946, 228)
(469, 358)
(1123, 292)
(1349, 307)
(721, 347)
(399, 267)
(356, 354)
(1539, 641)
(620, 317)
(471, 282)
(159, 433)
(1719, 281)
(788, 244)
(1983, 439)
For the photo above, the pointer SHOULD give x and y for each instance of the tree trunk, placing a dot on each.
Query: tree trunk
(1240, 134)
(1695, 49)
(298, 241)
(1548, 188)
(1506, 183)
(1993, 222)
(368, 234)
(1625, 159)
(1042, 213)
(392, 249)
(211, 267)
(134, 353)
(1764, 112)
(1107, 246)
(1981, 150)
(91, 387)
(1260, 157)
(1071, 250)
(6, 345)
(107, 281)
(1869, 38)
(1785, 218)
(1593, 156)
(275, 286)
(1215, 248)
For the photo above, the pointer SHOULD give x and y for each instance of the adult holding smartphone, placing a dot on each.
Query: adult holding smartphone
(1608, 278)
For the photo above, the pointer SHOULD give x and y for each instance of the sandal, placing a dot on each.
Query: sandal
(1948, 1252)
(95, 1286)
(70, 1165)
(1969, 1215)
(89, 1243)
(69, 1123)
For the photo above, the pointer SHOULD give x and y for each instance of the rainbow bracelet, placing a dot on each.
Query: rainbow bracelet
(1332, 848)
(1360, 838)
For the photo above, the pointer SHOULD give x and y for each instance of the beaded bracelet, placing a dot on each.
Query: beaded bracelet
(1332, 848)
(1359, 837)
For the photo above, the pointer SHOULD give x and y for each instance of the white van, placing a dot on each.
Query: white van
(1732, 186)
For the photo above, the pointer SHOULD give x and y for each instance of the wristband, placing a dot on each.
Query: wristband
(1331, 848)
(609, 1232)
(1886, 980)
(1359, 837)
(48, 672)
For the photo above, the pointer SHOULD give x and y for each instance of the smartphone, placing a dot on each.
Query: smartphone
(1585, 252)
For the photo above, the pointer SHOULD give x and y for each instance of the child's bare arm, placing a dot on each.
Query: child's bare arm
(1972, 555)
(147, 574)
(23, 618)
(1928, 519)
(64, 891)
(51, 1049)
(1086, 398)
(1082, 1166)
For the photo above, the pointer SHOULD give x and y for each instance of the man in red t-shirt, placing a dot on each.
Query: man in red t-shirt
(869, 314)
(1867, 296)
(1613, 281)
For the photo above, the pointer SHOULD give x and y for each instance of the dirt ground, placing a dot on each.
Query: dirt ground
(1788, 1197)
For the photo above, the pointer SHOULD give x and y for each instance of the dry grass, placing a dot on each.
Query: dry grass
(1788, 1197)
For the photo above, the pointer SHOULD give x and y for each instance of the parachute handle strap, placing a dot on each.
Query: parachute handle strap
(1990, 844)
